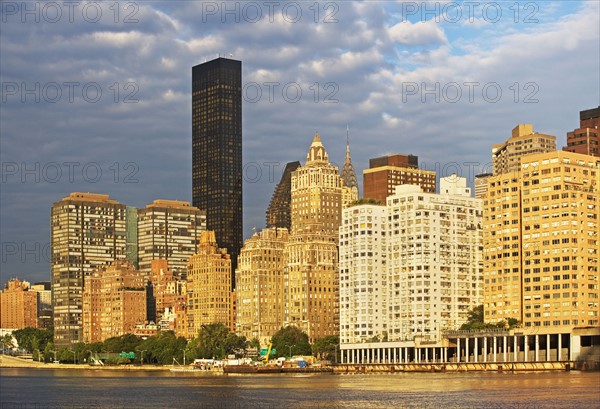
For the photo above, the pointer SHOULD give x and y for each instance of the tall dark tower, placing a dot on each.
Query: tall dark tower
(217, 150)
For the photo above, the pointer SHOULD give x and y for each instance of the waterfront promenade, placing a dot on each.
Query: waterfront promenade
(7, 361)
(14, 362)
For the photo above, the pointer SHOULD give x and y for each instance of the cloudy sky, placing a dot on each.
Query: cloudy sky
(96, 96)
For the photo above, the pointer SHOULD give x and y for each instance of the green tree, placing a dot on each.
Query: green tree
(367, 201)
(293, 337)
(8, 341)
(475, 321)
(513, 322)
(216, 341)
(327, 348)
(48, 354)
(162, 348)
(123, 343)
(33, 338)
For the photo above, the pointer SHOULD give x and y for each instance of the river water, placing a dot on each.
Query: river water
(62, 388)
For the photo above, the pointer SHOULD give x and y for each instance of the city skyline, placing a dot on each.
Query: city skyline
(147, 143)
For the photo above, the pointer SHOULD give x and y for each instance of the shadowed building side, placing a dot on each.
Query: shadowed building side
(279, 210)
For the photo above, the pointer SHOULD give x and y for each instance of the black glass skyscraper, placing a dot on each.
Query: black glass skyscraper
(217, 150)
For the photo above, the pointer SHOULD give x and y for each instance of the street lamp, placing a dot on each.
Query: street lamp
(290, 347)
(142, 358)
(183, 356)
(74, 356)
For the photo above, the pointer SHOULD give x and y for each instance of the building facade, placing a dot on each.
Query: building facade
(44, 303)
(114, 301)
(217, 150)
(435, 259)
(481, 185)
(279, 212)
(311, 254)
(387, 172)
(209, 285)
(363, 274)
(506, 156)
(167, 298)
(88, 232)
(168, 230)
(18, 305)
(260, 285)
(541, 232)
(586, 139)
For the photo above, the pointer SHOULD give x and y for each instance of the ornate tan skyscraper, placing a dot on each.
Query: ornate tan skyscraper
(208, 285)
(311, 254)
(259, 285)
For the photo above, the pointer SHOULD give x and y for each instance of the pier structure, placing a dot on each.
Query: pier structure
(518, 345)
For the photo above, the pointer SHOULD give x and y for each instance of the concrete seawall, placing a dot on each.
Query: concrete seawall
(453, 367)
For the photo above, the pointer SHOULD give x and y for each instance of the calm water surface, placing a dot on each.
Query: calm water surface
(47, 388)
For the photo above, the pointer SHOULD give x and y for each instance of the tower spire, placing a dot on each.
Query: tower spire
(347, 138)
(348, 175)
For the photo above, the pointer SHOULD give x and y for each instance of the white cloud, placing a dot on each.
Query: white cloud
(390, 121)
(419, 33)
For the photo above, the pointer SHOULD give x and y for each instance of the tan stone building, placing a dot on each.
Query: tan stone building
(208, 285)
(387, 172)
(311, 255)
(114, 301)
(506, 155)
(169, 230)
(259, 285)
(541, 242)
(18, 305)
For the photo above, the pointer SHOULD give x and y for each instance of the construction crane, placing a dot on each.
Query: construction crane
(268, 353)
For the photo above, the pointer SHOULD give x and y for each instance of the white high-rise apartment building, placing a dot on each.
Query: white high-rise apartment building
(413, 268)
(434, 262)
(363, 275)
